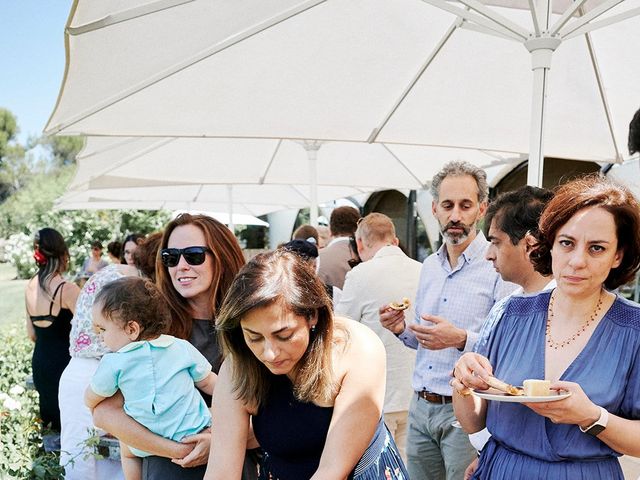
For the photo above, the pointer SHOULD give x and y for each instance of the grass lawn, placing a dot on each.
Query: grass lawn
(11, 296)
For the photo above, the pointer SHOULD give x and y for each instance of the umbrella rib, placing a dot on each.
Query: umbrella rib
(376, 131)
(111, 146)
(408, 170)
(125, 15)
(214, 49)
(486, 31)
(603, 96)
(603, 23)
(111, 168)
(200, 187)
(535, 16)
(472, 17)
(592, 15)
(497, 18)
(271, 160)
(566, 16)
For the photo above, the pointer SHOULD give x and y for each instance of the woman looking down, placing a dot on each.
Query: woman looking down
(312, 385)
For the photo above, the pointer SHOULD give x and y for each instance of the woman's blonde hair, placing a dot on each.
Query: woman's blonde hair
(227, 260)
(279, 277)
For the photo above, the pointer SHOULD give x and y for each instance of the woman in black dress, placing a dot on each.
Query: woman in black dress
(50, 303)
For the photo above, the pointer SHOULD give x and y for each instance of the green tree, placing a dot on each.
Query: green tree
(8, 131)
(63, 150)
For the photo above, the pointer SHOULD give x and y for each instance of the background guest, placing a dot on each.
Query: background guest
(94, 262)
(50, 302)
(86, 351)
(114, 251)
(333, 259)
(385, 275)
(307, 233)
(129, 246)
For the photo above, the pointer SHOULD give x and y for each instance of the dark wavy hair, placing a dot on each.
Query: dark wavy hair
(344, 221)
(586, 192)
(135, 299)
(52, 245)
(227, 261)
(136, 238)
(518, 212)
(278, 277)
(144, 257)
(115, 248)
(634, 134)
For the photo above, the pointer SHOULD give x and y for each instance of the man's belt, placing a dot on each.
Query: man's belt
(433, 397)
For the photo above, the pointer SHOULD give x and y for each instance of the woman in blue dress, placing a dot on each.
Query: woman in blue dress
(580, 336)
(312, 385)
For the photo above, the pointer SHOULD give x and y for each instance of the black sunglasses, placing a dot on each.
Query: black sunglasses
(192, 255)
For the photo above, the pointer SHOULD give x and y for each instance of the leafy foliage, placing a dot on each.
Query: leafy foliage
(20, 428)
(8, 130)
(63, 150)
(32, 208)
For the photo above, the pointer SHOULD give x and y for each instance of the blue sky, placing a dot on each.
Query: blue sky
(32, 59)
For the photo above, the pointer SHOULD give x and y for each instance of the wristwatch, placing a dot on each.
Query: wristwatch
(599, 425)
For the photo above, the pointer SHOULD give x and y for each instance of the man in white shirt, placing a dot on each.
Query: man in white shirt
(386, 275)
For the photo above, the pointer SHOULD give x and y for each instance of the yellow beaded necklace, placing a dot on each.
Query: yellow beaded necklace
(551, 342)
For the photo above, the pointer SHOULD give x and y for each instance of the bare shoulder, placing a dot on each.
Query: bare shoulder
(127, 270)
(358, 338)
(70, 290)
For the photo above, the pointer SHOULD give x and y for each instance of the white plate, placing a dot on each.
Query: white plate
(492, 394)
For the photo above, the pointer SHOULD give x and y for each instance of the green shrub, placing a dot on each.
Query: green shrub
(21, 451)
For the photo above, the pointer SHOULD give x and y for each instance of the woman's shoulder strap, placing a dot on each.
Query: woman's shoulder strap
(53, 298)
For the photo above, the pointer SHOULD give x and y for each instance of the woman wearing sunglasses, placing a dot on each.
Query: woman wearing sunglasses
(198, 259)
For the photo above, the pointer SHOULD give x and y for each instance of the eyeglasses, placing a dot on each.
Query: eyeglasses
(192, 255)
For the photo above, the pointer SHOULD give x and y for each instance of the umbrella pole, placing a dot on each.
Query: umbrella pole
(312, 157)
(541, 49)
(230, 199)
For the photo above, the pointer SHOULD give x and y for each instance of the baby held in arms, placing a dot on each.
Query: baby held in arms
(155, 372)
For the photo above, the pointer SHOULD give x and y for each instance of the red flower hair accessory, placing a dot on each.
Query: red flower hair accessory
(39, 257)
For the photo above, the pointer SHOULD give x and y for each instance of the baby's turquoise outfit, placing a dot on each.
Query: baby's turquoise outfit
(156, 378)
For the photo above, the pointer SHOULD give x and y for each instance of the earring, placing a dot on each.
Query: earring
(313, 329)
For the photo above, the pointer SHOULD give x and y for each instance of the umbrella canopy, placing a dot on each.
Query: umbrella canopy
(284, 173)
(364, 70)
(108, 162)
(244, 199)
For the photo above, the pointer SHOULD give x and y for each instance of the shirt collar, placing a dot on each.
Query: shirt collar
(387, 250)
(163, 341)
(336, 240)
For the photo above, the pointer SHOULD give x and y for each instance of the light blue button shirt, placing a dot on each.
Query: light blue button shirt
(463, 296)
(156, 378)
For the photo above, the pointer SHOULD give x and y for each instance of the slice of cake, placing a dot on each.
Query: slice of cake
(537, 388)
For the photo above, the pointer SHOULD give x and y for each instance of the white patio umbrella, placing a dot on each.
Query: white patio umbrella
(286, 172)
(359, 70)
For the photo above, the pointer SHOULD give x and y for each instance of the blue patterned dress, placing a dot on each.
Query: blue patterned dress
(525, 445)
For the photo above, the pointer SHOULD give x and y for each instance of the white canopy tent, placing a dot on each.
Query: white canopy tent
(364, 70)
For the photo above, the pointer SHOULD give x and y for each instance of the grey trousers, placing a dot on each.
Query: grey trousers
(436, 449)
